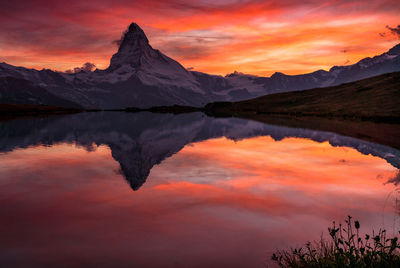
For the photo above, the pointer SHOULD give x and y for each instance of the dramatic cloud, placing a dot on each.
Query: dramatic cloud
(117, 42)
(395, 31)
(86, 67)
(252, 36)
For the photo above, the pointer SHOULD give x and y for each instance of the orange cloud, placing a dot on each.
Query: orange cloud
(259, 37)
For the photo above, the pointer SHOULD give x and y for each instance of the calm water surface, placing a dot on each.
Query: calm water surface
(148, 190)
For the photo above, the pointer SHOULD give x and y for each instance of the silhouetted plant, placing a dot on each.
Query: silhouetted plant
(345, 248)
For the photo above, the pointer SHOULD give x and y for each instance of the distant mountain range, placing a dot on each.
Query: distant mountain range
(375, 98)
(140, 76)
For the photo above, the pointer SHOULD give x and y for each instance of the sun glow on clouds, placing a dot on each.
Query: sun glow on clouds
(258, 37)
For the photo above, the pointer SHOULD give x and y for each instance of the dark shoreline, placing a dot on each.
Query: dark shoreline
(15, 111)
(212, 110)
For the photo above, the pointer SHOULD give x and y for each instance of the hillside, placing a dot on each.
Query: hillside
(22, 92)
(376, 98)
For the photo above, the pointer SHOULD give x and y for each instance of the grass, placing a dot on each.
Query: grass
(375, 98)
(345, 248)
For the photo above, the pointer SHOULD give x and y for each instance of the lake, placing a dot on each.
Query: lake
(114, 189)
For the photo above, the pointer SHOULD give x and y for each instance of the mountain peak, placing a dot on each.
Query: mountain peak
(134, 33)
(133, 46)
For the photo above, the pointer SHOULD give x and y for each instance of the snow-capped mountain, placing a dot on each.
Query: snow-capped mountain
(279, 82)
(140, 76)
(150, 138)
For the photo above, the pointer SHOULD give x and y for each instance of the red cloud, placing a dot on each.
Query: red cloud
(264, 36)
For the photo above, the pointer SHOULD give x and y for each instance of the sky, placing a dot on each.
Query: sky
(219, 37)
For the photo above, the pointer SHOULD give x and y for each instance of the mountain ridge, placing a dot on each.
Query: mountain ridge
(375, 98)
(140, 76)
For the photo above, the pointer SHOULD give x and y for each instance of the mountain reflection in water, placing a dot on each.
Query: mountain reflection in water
(219, 192)
(141, 140)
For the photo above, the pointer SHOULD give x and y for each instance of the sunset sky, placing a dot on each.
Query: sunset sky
(219, 37)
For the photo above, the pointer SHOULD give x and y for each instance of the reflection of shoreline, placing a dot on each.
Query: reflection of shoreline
(139, 141)
(380, 133)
